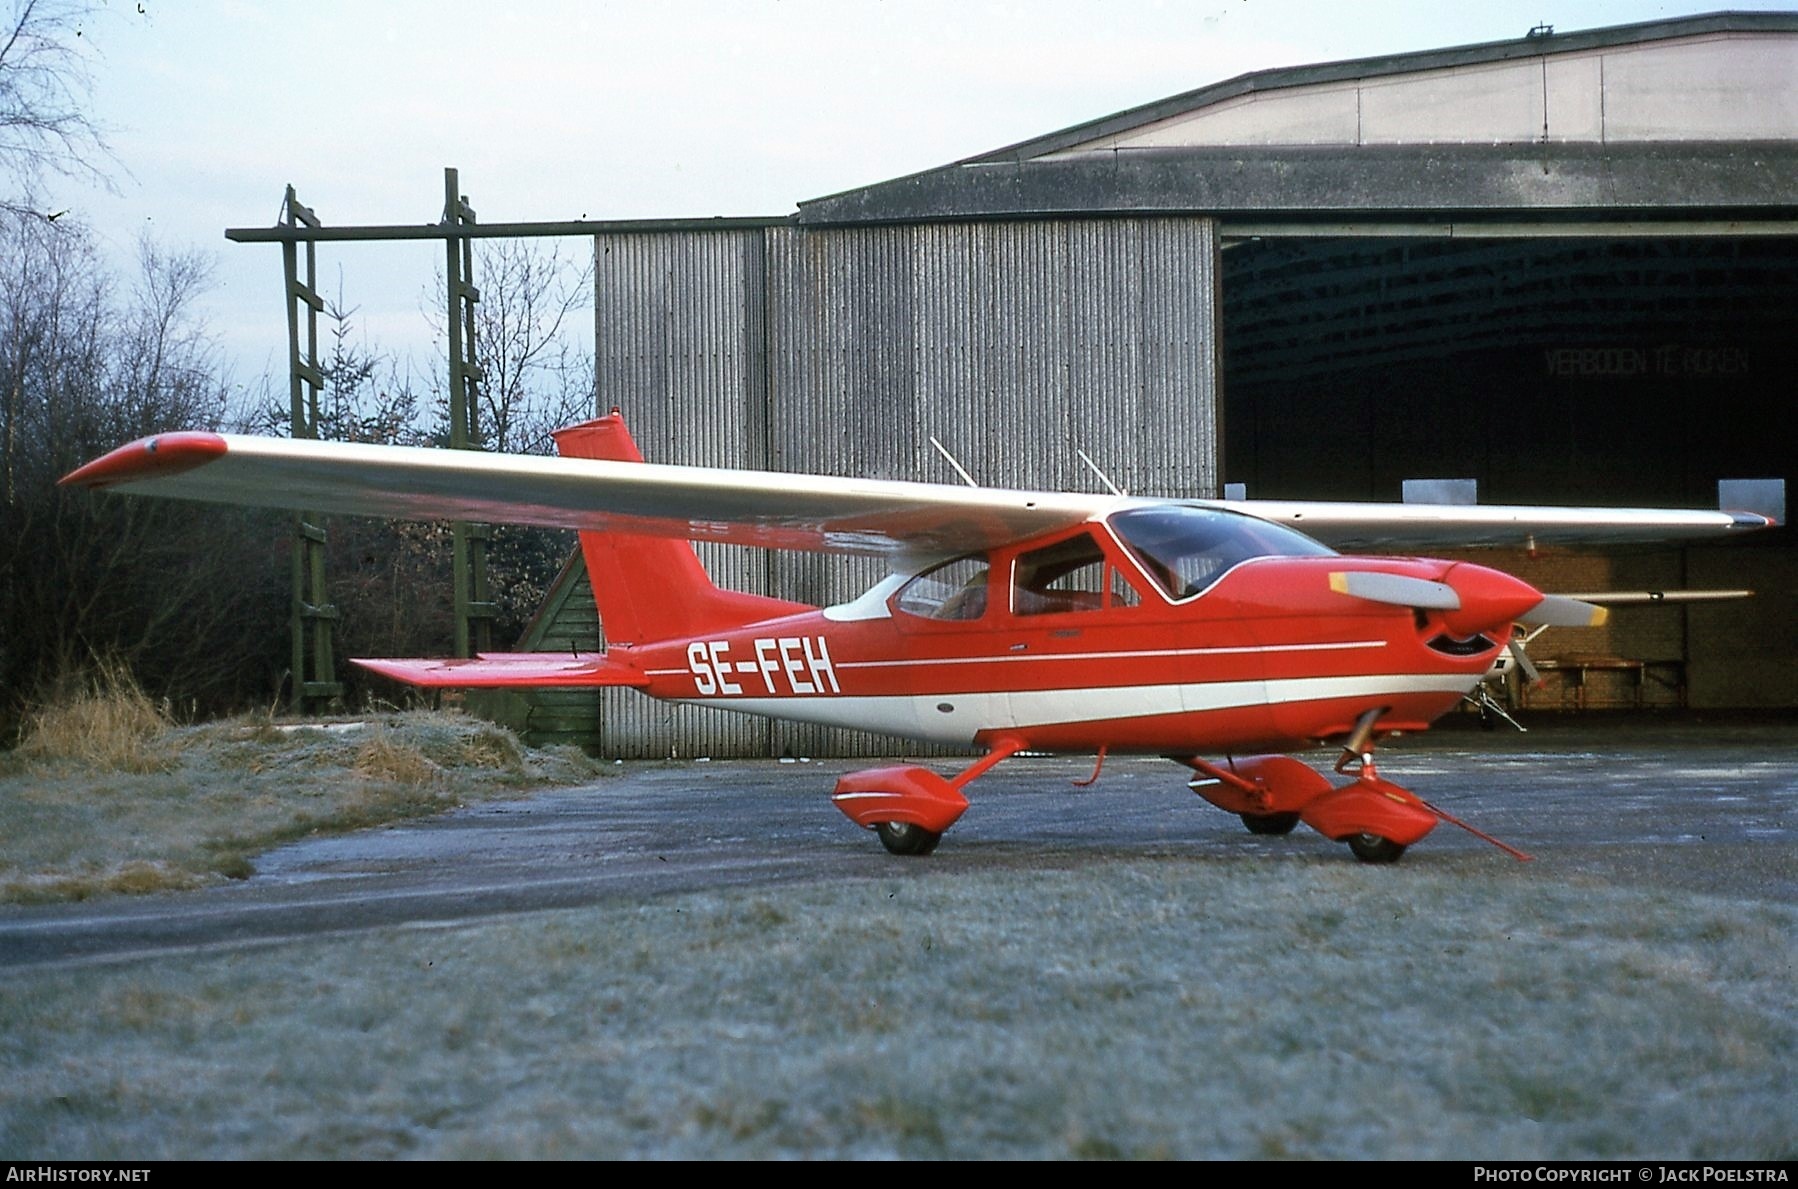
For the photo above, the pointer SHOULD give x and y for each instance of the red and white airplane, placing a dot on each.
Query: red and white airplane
(1211, 632)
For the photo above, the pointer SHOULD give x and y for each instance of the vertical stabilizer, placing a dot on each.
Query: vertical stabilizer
(653, 588)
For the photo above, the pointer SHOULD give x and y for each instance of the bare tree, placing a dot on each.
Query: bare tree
(537, 367)
(533, 342)
(190, 598)
(46, 126)
(533, 345)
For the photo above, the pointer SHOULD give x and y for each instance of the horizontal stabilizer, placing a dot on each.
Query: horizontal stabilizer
(502, 670)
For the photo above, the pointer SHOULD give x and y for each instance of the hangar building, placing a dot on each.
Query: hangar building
(1565, 266)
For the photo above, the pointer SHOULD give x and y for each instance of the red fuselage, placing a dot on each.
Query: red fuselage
(1266, 656)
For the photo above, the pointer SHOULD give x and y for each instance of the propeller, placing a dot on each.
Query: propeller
(1396, 589)
(1531, 674)
(1559, 611)
(1483, 597)
(1590, 610)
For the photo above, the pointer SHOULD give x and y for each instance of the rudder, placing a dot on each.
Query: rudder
(652, 588)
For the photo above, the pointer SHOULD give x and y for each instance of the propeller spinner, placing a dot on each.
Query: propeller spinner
(1472, 598)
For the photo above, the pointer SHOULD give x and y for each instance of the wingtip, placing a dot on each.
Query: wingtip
(1753, 503)
(154, 457)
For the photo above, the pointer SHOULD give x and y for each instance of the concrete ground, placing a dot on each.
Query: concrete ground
(1704, 804)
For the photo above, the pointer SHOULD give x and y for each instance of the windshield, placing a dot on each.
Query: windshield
(1187, 548)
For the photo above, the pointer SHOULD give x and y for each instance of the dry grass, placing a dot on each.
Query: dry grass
(108, 796)
(100, 718)
(395, 761)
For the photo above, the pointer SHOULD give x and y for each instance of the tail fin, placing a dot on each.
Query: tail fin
(652, 588)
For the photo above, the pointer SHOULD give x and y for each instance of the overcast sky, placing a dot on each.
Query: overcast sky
(565, 110)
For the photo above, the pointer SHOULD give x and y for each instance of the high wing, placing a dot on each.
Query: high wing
(814, 513)
(1375, 527)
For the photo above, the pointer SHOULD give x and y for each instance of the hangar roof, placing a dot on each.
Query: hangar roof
(1693, 119)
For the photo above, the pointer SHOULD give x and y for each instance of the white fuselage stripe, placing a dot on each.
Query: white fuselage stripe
(1110, 656)
(923, 715)
(1130, 654)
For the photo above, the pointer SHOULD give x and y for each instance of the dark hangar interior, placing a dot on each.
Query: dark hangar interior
(1564, 370)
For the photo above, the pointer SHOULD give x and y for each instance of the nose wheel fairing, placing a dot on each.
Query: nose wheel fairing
(1370, 807)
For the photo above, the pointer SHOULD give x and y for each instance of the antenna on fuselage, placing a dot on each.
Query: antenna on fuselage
(1103, 477)
(959, 469)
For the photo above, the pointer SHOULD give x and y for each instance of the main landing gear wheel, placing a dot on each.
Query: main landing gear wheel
(1269, 823)
(903, 838)
(1371, 848)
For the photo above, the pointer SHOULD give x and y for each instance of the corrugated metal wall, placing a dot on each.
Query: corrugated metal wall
(843, 350)
(680, 347)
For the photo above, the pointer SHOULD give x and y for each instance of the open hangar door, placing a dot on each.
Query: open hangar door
(1617, 370)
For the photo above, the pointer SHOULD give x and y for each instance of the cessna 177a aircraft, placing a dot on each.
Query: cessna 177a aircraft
(1211, 632)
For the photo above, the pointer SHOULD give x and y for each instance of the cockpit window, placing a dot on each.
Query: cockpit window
(954, 590)
(1187, 548)
(1070, 575)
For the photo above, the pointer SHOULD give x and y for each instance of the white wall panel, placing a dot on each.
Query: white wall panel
(1723, 86)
